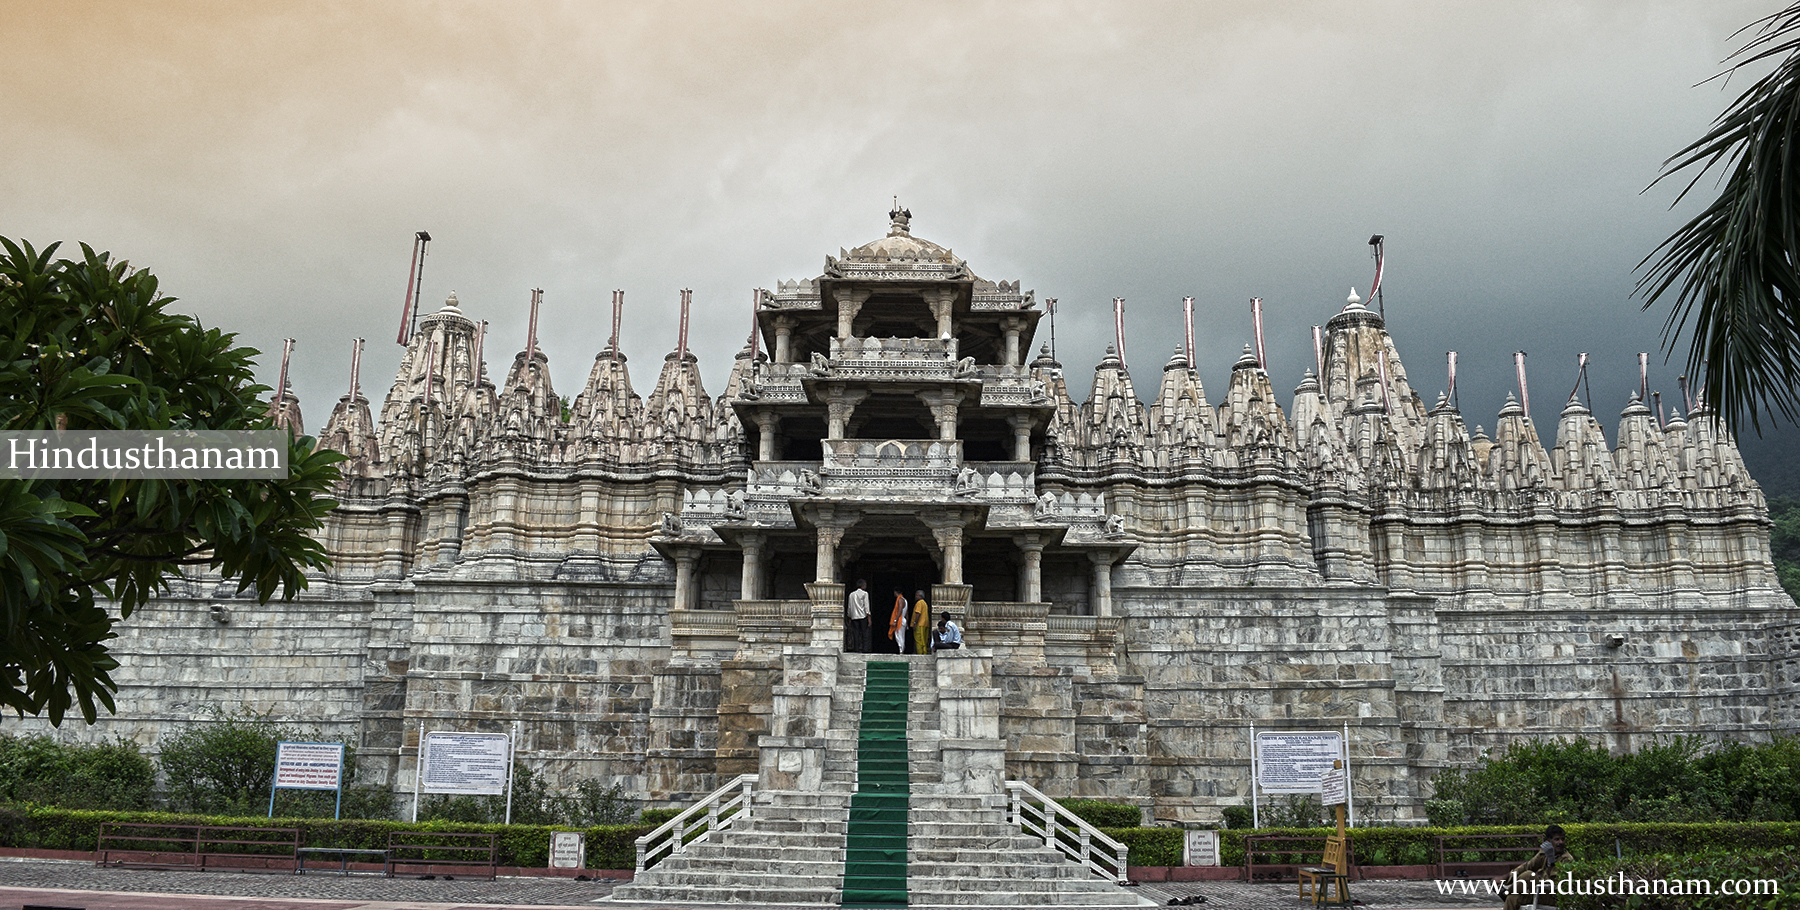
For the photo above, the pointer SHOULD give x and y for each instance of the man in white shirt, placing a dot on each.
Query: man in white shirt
(949, 636)
(859, 618)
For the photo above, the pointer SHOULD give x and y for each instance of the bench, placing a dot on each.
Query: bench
(1335, 868)
(343, 855)
(1495, 854)
(1277, 857)
(437, 849)
(151, 845)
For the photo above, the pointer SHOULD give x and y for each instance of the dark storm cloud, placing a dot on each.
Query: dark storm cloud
(271, 164)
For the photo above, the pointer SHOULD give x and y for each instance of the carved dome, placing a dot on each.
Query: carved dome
(900, 244)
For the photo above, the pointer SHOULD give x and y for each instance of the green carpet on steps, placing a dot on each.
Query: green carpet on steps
(875, 842)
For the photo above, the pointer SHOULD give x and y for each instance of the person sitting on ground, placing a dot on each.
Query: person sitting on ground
(1539, 871)
(948, 636)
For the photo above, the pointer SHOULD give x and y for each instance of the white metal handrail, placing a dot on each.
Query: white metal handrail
(701, 820)
(1041, 816)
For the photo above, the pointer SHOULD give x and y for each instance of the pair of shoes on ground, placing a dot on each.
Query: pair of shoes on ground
(1188, 901)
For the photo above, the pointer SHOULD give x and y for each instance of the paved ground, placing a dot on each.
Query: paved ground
(81, 886)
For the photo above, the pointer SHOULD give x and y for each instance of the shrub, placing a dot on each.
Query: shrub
(41, 770)
(1239, 817)
(226, 766)
(656, 817)
(534, 803)
(1679, 779)
(1102, 814)
(1150, 846)
(1782, 866)
(608, 846)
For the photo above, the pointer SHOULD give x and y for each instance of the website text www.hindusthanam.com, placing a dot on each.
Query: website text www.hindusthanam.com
(1620, 885)
(144, 454)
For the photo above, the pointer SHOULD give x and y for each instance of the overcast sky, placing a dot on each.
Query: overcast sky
(270, 162)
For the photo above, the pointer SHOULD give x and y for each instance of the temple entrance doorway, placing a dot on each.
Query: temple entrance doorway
(901, 571)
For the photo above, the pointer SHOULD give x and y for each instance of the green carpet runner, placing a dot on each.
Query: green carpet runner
(875, 842)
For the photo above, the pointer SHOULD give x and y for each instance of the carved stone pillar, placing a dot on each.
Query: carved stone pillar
(1031, 570)
(1012, 326)
(943, 410)
(1021, 427)
(750, 587)
(685, 561)
(784, 338)
(840, 403)
(949, 536)
(1103, 560)
(829, 526)
(942, 303)
(768, 425)
(849, 304)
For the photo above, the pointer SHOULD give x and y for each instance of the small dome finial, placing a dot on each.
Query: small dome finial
(899, 219)
(1353, 301)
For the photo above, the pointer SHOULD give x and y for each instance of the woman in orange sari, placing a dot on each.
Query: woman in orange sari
(920, 621)
(897, 623)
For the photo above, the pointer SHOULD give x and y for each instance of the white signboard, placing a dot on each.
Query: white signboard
(1334, 787)
(309, 766)
(568, 850)
(473, 764)
(1293, 762)
(1201, 848)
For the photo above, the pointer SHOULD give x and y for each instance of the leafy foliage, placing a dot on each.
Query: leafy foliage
(1680, 779)
(1784, 542)
(226, 766)
(1417, 846)
(89, 344)
(1780, 866)
(1103, 814)
(1731, 268)
(42, 771)
(608, 846)
(591, 803)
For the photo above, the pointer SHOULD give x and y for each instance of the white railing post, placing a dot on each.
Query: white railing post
(674, 832)
(1051, 829)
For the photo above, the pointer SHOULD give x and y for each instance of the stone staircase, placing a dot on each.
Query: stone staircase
(961, 848)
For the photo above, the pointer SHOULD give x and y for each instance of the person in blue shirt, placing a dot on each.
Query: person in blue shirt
(948, 635)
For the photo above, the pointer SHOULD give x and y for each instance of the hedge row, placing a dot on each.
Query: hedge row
(526, 846)
(1414, 846)
(1780, 866)
(614, 846)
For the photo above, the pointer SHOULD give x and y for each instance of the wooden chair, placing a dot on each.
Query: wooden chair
(1316, 881)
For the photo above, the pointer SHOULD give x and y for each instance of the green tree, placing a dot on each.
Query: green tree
(1731, 269)
(89, 344)
(1784, 542)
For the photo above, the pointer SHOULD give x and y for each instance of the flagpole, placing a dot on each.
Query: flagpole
(1256, 321)
(1187, 312)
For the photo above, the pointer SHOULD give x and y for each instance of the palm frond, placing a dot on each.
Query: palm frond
(1731, 269)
